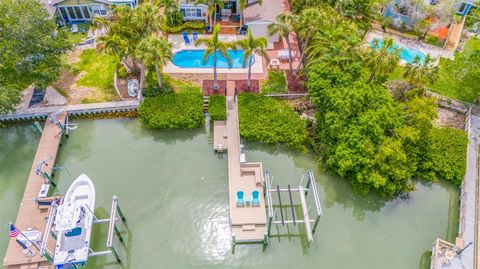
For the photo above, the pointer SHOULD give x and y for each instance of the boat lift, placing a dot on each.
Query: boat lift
(113, 230)
(64, 128)
(302, 192)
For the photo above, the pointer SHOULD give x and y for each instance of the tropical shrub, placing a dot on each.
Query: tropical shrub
(188, 25)
(170, 111)
(31, 49)
(268, 120)
(377, 143)
(459, 78)
(122, 72)
(446, 155)
(216, 107)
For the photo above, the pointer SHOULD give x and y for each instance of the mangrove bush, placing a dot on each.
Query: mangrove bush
(268, 120)
(216, 107)
(170, 111)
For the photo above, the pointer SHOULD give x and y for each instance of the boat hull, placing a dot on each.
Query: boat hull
(73, 223)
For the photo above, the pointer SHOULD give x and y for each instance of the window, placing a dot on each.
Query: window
(99, 10)
(64, 13)
(78, 12)
(86, 13)
(71, 14)
(191, 12)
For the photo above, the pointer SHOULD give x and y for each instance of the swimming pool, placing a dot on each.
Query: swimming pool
(406, 54)
(194, 59)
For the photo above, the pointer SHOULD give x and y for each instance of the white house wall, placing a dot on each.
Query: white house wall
(261, 29)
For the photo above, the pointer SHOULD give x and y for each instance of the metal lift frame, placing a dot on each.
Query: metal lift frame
(303, 192)
(115, 214)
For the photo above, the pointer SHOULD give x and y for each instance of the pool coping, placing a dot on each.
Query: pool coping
(411, 44)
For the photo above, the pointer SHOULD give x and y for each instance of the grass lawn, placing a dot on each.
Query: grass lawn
(97, 69)
(80, 36)
(276, 83)
(397, 74)
(450, 81)
(180, 86)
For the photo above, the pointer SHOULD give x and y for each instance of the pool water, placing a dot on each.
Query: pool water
(194, 59)
(406, 54)
(173, 191)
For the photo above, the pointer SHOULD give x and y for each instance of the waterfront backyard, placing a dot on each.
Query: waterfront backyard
(173, 190)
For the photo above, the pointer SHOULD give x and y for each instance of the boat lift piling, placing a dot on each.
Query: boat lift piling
(115, 214)
(303, 192)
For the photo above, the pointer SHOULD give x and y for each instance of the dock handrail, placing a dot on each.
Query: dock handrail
(268, 194)
(44, 251)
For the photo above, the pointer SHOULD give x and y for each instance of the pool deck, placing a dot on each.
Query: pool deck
(29, 215)
(413, 44)
(248, 223)
(178, 45)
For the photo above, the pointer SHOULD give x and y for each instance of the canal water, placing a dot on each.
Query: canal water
(173, 191)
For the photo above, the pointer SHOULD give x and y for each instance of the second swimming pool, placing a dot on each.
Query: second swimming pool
(406, 54)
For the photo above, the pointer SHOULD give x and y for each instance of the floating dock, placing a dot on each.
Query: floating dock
(248, 222)
(29, 214)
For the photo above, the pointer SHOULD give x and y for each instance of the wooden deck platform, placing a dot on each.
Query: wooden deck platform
(220, 136)
(29, 215)
(248, 223)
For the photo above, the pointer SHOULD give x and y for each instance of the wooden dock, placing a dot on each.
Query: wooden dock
(29, 215)
(248, 223)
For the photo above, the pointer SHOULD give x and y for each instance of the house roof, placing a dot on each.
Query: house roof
(55, 2)
(263, 13)
(50, 8)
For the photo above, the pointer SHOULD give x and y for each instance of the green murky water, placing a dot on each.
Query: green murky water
(173, 190)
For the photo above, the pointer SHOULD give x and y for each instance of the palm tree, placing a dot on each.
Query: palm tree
(252, 46)
(212, 9)
(215, 47)
(155, 51)
(283, 27)
(337, 47)
(420, 73)
(126, 30)
(382, 58)
(307, 24)
(170, 8)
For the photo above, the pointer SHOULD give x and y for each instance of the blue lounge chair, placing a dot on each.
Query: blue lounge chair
(240, 199)
(255, 198)
(195, 36)
(186, 38)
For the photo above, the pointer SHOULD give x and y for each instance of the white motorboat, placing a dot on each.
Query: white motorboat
(73, 222)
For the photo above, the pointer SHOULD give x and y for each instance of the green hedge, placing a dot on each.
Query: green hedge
(268, 120)
(170, 110)
(188, 25)
(446, 154)
(216, 107)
